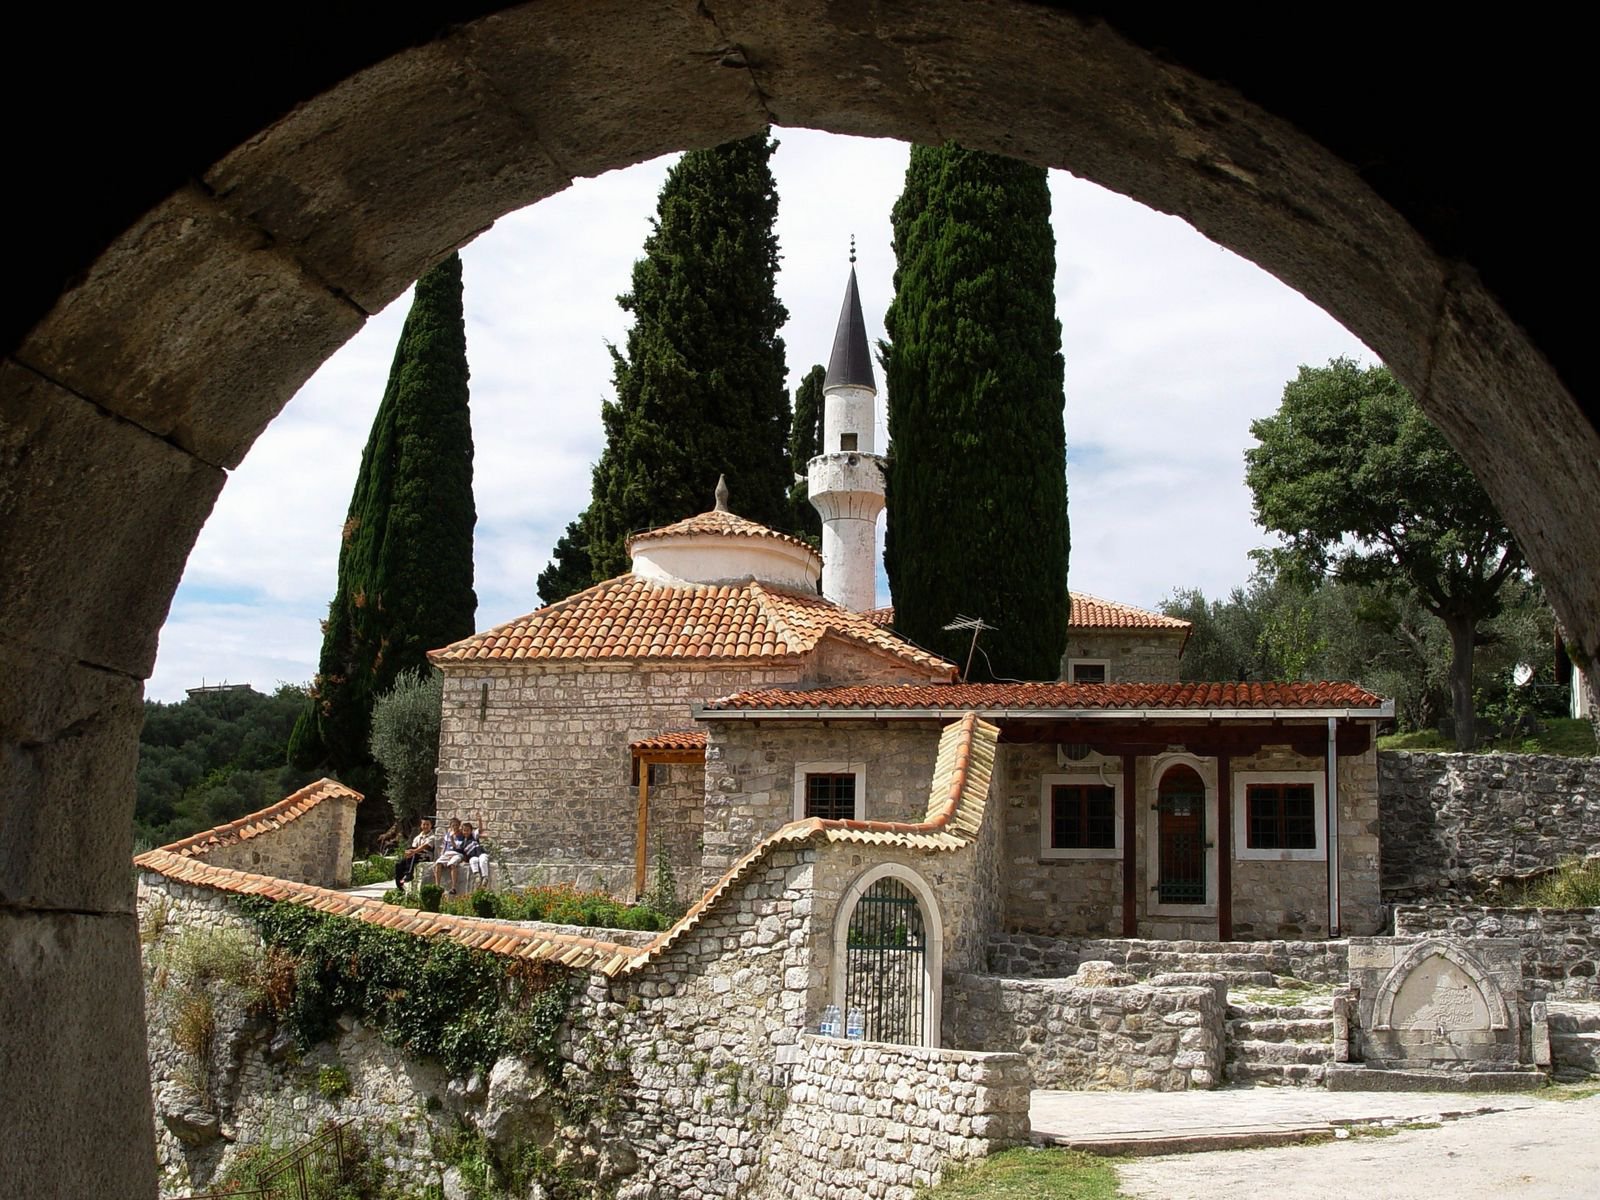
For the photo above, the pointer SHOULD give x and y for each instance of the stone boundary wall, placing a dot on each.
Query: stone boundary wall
(1452, 823)
(1028, 956)
(867, 1119)
(1560, 947)
(695, 1049)
(1075, 1033)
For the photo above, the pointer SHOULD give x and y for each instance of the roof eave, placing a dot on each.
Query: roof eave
(1381, 712)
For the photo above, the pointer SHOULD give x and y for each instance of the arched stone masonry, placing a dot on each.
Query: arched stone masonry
(931, 967)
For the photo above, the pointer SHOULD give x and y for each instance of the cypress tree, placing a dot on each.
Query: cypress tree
(976, 480)
(569, 570)
(700, 388)
(805, 439)
(405, 559)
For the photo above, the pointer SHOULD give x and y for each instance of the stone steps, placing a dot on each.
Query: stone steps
(1292, 1029)
(1278, 1074)
(1258, 1053)
(1250, 1010)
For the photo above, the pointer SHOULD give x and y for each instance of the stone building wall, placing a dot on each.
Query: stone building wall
(1079, 1034)
(543, 758)
(857, 1119)
(1560, 947)
(1131, 655)
(1082, 897)
(315, 847)
(750, 776)
(1453, 823)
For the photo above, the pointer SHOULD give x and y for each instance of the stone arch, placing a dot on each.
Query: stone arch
(183, 320)
(933, 963)
(1414, 957)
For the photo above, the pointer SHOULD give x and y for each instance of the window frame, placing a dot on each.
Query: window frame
(1093, 777)
(1243, 781)
(804, 769)
(1074, 663)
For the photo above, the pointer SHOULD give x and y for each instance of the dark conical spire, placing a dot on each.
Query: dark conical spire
(850, 364)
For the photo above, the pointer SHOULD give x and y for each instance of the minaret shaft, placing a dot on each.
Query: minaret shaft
(845, 481)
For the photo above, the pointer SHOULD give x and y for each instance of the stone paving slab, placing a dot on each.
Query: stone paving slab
(1144, 1123)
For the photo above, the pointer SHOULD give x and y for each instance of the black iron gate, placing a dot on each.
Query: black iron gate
(886, 966)
(1181, 838)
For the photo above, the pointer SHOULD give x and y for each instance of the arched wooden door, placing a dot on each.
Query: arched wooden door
(1181, 837)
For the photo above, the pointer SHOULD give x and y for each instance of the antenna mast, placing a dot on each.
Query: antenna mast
(977, 625)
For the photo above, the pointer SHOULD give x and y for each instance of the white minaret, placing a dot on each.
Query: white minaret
(845, 480)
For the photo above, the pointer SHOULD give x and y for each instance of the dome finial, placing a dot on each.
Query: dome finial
(722, 493)
(852, 249)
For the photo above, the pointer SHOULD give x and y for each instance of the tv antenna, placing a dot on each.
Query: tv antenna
(977, 625)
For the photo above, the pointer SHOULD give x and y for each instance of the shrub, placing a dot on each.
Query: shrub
(333, 1082)
(194, 1025)
(431, 894)
(1575, 885)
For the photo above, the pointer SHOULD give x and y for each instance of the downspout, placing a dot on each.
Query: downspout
(1332, 831)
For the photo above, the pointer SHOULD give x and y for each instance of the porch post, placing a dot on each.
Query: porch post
(1130, 847)
(1224, 836)
(1332, 833)
(640, 857)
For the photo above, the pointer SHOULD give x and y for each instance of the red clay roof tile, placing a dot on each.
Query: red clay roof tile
(990, 697)
(1091, 612)
(291, 807)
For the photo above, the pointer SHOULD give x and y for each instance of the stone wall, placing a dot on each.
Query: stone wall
(1560, 947)
(1453, 823)
(695, 1050)
(1083, 896)
(314, 847)
(884, 1121)
(1027, 956)
(1097, 1031)
(750, 776)
(1132, 655)
(543, 758)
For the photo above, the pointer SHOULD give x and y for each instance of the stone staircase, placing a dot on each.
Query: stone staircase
(1279, 1044)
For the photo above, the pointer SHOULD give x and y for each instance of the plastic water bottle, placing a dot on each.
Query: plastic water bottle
(830, 1021)
(856, 1028)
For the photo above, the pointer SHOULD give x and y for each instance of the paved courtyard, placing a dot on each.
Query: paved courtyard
(1493, 1145)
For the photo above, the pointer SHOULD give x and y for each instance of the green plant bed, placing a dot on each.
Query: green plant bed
(1030, 1174)
(558, 904)
(1565, 736)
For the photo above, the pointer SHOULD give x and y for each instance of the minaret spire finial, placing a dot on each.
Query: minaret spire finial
(722, 493)
(852, 249)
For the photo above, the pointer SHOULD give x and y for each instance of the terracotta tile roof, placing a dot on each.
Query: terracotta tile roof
(275, 816)
(1091, 612)
(498, 937)
(688, 740)
(956, 803)
(632, 619)
(719, 524)
(957, 798)
(994, 697)
(882, 616)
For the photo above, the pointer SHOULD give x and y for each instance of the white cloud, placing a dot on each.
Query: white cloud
(1172, 346)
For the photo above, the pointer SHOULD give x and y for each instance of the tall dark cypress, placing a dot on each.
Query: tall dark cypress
(977, 487)
(701, 383)
(805, 441)
(405, 562)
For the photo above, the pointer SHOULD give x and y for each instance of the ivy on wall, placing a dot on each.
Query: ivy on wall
(427, 996)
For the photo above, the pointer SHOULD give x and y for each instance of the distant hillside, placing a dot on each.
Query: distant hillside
(212, 758)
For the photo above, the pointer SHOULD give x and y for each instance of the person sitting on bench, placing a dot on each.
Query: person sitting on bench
(450, 856)
(420, 845)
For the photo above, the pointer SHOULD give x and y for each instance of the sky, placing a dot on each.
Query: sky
(1173, 345)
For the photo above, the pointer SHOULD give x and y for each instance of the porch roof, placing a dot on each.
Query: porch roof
(1054, 701)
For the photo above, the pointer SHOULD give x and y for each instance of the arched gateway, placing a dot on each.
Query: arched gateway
(888, 956)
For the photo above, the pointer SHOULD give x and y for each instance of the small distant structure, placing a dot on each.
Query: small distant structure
(213, 689)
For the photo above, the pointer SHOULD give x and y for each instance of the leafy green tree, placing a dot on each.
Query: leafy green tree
(700, 388)
(570, 569)
(1361, 484)
(805, 441)
(405, 742)
(405, 561)
(977, 486)
(212, 758)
